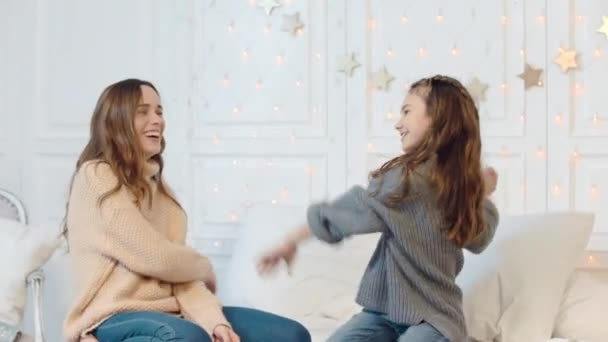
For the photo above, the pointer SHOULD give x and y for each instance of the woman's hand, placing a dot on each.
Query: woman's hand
(223, 333)
(490, 178)
(269, 261)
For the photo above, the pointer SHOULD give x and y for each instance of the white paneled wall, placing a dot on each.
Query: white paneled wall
(258, 115)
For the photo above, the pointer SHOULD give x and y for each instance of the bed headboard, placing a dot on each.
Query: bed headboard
(594, 259)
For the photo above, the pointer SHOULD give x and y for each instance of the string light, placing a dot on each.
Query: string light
(558, 119)
(292, 138)
(216, 188)
(389, 115)
(258, 84)
(226, 80)
(370, 147)
(235, 162)
(594, 191)
(422, 52)
(595, 119)
(233, 216)
(309, 170)
(389, 52)
(236, 109)
(216, 139)
(280, 59)
(440, 18)
(245, 54)
(522, 118)
(590, 260)
(556, 190)
(523, 188)
(404, 19)
(574, 156)
(217, 244)
(504, 19)
(230, 27)
(541, 19)
(318, 56)
(522, 52)
(274, 202)
(267, 28)
(455, 51)
(371, 23)
(579, 18)
(298, 83)
(540, 153)
(598, 52)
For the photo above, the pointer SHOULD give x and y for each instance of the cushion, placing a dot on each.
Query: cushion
(23, 249)
(582, 315)
(324, 278)
(513, 290)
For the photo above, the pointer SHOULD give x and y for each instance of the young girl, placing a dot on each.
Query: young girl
(428, 203)
(136, 281)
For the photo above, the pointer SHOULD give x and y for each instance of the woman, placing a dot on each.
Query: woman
(135, 278)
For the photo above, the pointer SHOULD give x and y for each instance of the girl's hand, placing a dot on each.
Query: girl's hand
(269, 261)
(223, 333)
(490, 178)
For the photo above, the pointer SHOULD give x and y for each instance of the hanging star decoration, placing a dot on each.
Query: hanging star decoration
(604, 28)
(347, 64)
(477, 89)
(268, 5)
(292, 23)
(381, 79)
(566, 60)
(531, 76)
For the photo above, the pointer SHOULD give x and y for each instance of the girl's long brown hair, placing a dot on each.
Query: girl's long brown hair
(113, 140)
(454, 139)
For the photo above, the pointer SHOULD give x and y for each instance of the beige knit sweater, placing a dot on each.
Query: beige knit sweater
(130, 258)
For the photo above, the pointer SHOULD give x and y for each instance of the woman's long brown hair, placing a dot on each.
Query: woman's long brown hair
(113, 140)
(454, 139)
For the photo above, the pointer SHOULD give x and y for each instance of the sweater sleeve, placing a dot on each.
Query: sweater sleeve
(196, 301)
(348, 215)
(491, 218)
(126, 236)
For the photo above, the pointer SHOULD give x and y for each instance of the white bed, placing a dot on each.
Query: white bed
(320, 292)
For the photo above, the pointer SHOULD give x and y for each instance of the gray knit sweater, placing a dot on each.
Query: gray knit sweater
(411, 275)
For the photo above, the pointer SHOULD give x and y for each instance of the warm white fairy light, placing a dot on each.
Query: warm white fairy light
(230, 27)
(284, 193)
(522, 52)
(298, 83)
(523, 188)
(274, 202)
(226, 80)
(439, 18)
(558, 119)
(522, 117)
(280, 59)
(292, 138)
(318, 56)
(245, 53)
(371, 23)
(235, 162)
(276, 108)
(594, 191)
(216, 188)
(267, 28)
(595, 119)
(504, 20)
(541, 19)
(258, 84)
(216, 139)
(556, 190)
(236, 109)
(590, 259)
(597, 52)
(504, 151)
(232, 216)
(309, 170)
(217, 244)
(579, 18)
(404, 19)
(540, 153)
(389, 115)
(422, 52)
(389, 52)
(574, 156)
(254, 134)
(455, 51)
(370, 147)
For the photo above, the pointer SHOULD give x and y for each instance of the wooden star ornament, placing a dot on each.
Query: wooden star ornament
(604, 28)
(531, 76)
(292, 23)
(268, 5)
(566, 60)
(347, 64)
(381, 79)
(477, 89)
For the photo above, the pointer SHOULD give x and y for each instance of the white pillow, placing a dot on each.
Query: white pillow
(584, 309)
(23, 249)
(513, 290)
(324, 278)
